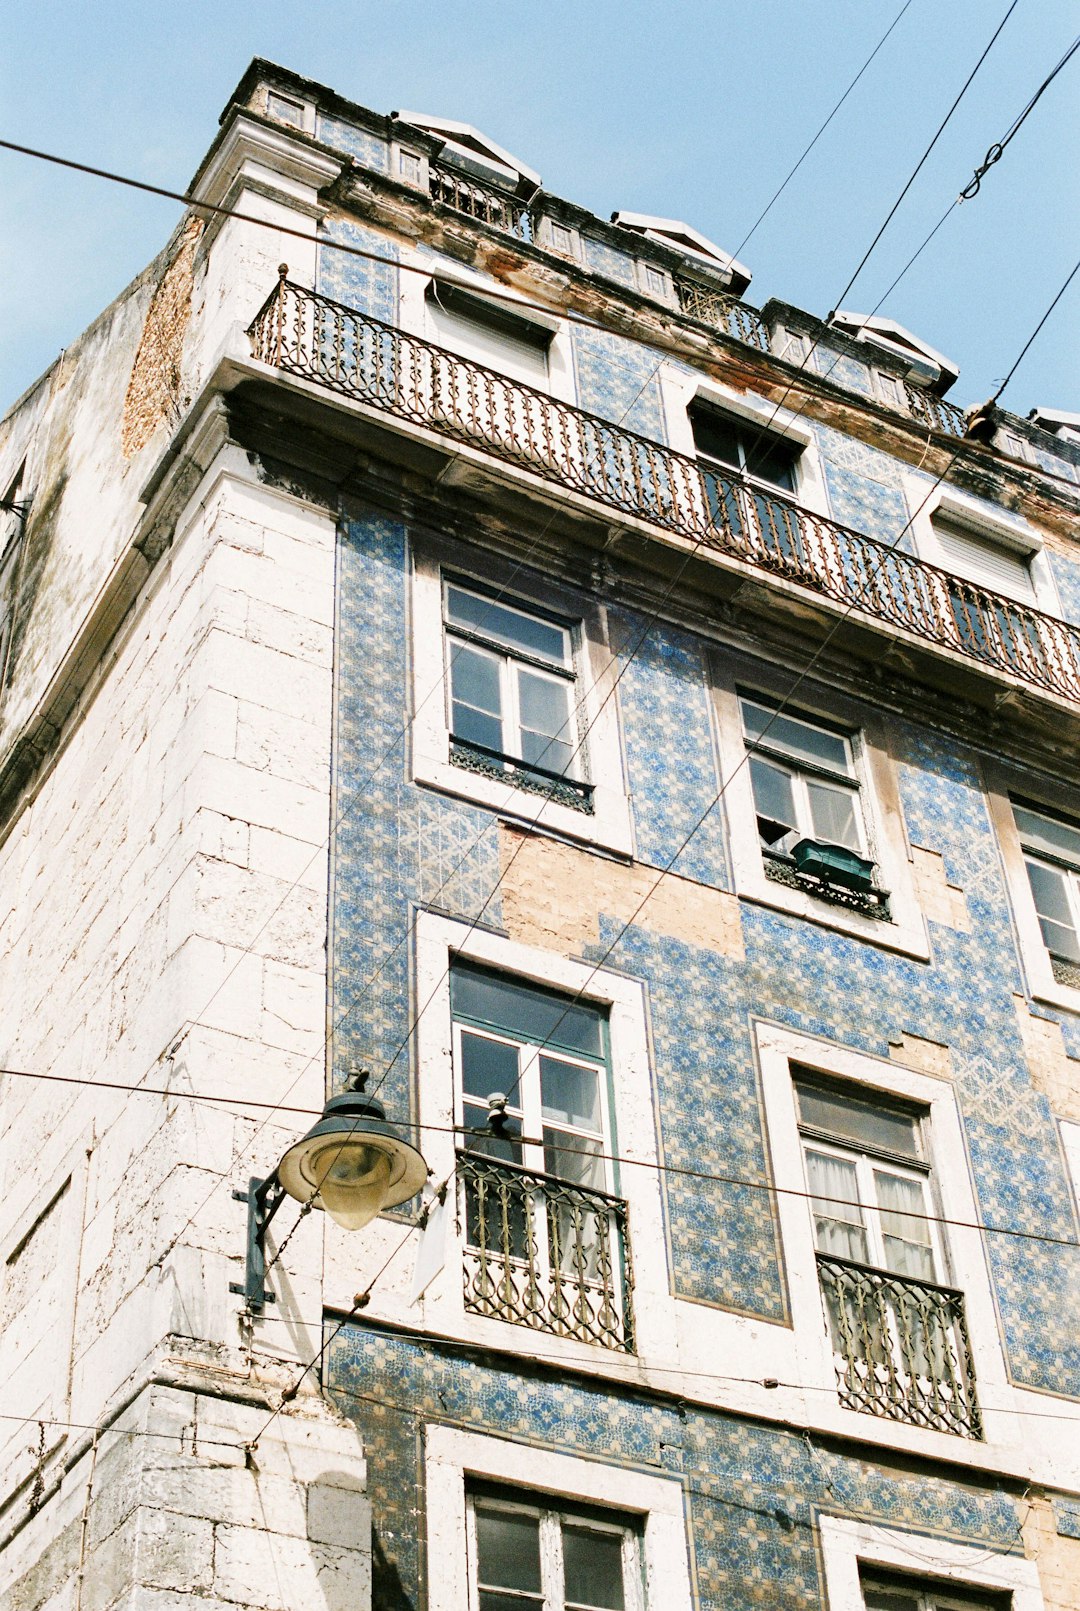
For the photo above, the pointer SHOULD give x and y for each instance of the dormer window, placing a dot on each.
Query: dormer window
(689, 243)
(474, 153)
(925, 366)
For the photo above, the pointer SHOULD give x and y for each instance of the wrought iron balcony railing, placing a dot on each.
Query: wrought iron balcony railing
(545, 1253)
(900, 1347)
(723, 312)
(360, 357)
(477, 200)
(935, 411)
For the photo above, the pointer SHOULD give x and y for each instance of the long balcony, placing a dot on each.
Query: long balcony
(900, 1347)
(477, 200)
(725, 313)
(545, 1253)
(358, 356)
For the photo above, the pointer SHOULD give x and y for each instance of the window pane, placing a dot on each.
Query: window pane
(593, 1567)
(856, 1119)
(796, 738)
(574, 1158)
(494, 1601)
(1049, 888)
(570, 1094)
(832, 813)
(1040, 832)
(488, 1066)
(508, 1547)
(508, 626)
(715, 437)
(525, 1010)
(474, 684)
(838, 1220)
(906, 1236)
(771, 459)
(545, 721)
(774, 800)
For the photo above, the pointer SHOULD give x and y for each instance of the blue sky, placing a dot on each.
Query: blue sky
(694, 110)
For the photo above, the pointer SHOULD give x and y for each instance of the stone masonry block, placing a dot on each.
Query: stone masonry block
(277, 1573)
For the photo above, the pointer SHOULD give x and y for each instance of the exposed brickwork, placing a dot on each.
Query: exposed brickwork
(930, 1056)
(153, 393)
(941, 901)
(553, 895)
(1058, 1558)
(1053, 1071)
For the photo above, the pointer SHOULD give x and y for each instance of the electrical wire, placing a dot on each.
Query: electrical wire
(760, 219)
(426, 271)
(919, 165)
(997, 150)
(681, 1170)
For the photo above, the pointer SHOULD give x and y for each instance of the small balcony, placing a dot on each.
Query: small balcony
(545, 1253)
(725, 313)
(935, 411)
(900, 1347)
(357, 356)
(477, 200)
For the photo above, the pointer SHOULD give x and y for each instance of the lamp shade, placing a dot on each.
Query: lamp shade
(353, 1162)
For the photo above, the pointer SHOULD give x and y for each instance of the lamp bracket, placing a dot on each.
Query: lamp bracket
(264, 1198)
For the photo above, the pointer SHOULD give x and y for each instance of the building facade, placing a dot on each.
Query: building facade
(447, 635)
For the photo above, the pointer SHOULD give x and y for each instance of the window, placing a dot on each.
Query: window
(885, 1592)
(654, 282)
(545, 1238)
(806, 800)
(410, 166)
(489, 332)
(1051, 847)
(531, 1556)
(285, 109)
(891, 390)
(12, 524)
(511, 680)
(899, 1337)
(732, 452)
(979, 559)
(561, 239)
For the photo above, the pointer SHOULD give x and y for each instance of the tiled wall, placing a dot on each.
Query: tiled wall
(752, 1493)
(396, 844)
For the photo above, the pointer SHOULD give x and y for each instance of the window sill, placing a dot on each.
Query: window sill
(533, 780)
(606, 824)
(874, 905)
(786, 891)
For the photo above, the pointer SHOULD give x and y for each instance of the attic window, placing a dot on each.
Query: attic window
(682, 238)
(473, 152)
(489, 332)
(926, 367)
(284, 109)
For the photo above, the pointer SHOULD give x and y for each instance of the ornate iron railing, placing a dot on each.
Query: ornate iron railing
(477, 200)
(350, 352)
(900, 1347)
(545, 1253)
(935, 411)
(723, 312)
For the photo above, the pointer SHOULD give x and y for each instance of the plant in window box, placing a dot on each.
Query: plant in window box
(835, 864)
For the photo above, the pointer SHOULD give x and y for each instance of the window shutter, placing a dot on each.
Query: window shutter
(978, 559)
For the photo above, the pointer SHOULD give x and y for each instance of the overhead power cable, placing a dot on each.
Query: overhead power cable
(922, 160)
(997, 150)
(362, 253)
(775, 197)
(681, 1170)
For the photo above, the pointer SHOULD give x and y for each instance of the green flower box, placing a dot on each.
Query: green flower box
(835, 864)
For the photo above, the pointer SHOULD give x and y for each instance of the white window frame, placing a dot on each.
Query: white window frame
(982, 522)
(782, 1053)
(454, 1458)
(801, 774)
(631, 1132)
(654, 281)
(879, 791)
(402, 158)
(682, 391)
(609, 823)
(1002, 786)
(508, 660)
(553, 1514)
(848, 1547)
(1070, 878)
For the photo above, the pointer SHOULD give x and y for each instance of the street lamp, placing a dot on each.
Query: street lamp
(353, 1162)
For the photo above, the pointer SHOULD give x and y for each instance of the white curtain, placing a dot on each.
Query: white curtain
(838, 1221)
